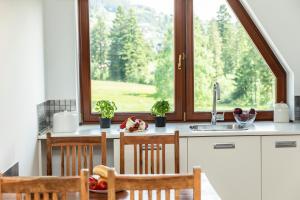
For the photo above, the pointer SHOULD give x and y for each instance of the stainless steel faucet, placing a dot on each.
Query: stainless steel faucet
(216, 97)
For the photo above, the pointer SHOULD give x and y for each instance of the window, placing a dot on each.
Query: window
(135, 52)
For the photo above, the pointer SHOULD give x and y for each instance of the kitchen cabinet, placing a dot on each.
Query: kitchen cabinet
(129, 168)
(232, 164)
(280, 167)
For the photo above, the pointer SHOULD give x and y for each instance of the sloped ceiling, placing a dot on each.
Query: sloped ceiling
(280, 21)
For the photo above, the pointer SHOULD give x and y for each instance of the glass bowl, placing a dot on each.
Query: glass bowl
(244, 119)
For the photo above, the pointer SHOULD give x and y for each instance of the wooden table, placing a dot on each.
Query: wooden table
(207, 193)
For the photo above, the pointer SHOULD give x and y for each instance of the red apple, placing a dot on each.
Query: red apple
(252, 111)
(101, 185)
(238, 111)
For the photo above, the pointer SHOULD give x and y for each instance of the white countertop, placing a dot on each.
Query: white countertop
(259, 128)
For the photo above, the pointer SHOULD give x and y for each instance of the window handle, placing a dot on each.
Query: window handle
(179, 66)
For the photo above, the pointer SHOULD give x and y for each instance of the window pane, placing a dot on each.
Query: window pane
(131, 48)
(224, 52)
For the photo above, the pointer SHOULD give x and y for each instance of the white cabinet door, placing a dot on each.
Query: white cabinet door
(281, 167)
(232, 165)
(169, 157)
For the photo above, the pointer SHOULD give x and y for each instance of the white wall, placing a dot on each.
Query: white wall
(60, 49)
(22, 82)
(280, 20)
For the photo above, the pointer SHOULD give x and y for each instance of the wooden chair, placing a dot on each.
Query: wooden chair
(68, 148)
(145, 185)
(149, 143)
(45, 187)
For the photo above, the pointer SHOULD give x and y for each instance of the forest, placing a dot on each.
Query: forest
(127, 51)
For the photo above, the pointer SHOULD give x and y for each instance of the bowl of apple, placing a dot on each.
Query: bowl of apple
(244, 118)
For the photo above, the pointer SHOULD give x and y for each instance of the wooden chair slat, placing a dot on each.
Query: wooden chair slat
(176, 149)
(149, 194)
(18, 196)
(163, 158)
(54, 196)
(141, 158)
(64, 196)
(146, 159)
(158, 194)
(28, 196)
(140, 194)
(197, 184)
(152, 158)
(103, 148)
(156, 182)
(73, 160)
(36, 196)
(85, 156)
(122, 154)
(72, 149)
(68, 160)
(45, 196)
(39, 187)
(62, 161)
(84, 189)
(157, 159)
(131, 194)
(177, 194)
(91, 150)
(135, 158)
(49, 155)
(167, 194)
(79, 159)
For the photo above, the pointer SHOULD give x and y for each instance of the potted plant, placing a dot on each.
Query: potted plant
(159, 110)
(106, 110)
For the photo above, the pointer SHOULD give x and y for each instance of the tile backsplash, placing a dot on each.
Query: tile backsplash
(297, 107)
(46, 110)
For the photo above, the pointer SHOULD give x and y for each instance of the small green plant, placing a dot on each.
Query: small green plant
(106, 109)
(160, 108)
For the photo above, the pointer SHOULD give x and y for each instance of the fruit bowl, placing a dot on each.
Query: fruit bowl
(244, 118)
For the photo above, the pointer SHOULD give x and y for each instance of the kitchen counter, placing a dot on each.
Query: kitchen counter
(259, 128)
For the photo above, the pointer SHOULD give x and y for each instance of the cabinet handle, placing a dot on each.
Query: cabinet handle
(285, 144)
(149, 147)
(224, 146)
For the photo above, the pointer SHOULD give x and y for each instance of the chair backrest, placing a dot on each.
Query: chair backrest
(156, 144)
(144, 185)
(72, 148)
(45, 187)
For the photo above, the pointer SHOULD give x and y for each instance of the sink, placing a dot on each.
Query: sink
(218, 127)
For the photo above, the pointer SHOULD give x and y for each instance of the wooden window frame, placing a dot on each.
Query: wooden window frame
(261, 44)
(184, 82)
(85, 83)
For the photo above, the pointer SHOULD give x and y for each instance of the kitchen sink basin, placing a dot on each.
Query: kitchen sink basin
(218, 127)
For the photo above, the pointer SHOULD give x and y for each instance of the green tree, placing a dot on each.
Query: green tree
(164, 73)
(202, 66)
(227, 33)
(115, 53)
(136, 51)
(129, 54)
(99, 46)
(253, 79)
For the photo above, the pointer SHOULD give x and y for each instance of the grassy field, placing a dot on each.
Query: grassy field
(133, 97)
(129, 97)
